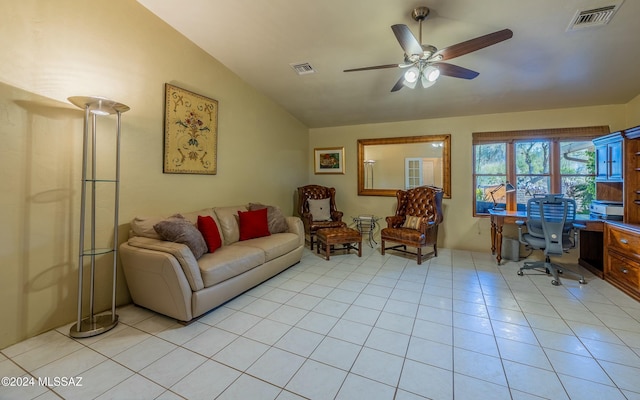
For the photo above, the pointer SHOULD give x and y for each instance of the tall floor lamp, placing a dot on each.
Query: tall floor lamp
(368, 173)
(95, 107)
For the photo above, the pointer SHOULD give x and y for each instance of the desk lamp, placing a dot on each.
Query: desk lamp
(508, 188)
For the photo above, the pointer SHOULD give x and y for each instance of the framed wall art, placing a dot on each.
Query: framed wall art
(329, 160)
(190, 132)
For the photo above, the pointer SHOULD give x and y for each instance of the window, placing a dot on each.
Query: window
(533, 174)
(534, 162)
(490, 166)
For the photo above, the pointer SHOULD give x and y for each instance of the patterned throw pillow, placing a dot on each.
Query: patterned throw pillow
(412, 222)
(320, 209)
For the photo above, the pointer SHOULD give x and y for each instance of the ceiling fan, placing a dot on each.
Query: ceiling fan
(424, 62)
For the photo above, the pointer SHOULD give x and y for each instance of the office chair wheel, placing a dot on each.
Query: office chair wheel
(582, 282)
(555, 282)
(520, 273)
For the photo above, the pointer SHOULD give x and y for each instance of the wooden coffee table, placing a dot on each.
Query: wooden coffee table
(347, 237)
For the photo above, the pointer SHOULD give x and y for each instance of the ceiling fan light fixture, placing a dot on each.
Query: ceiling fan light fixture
(426, 82)
(412, 75)
(431, 73)
(410, 85)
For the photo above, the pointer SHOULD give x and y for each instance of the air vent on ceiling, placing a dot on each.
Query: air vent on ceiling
(303, 68)
(594, 16)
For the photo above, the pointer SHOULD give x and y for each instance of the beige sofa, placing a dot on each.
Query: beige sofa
(166, 277)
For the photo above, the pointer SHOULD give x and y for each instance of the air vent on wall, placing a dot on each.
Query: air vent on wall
(594, 16)
(303, 68)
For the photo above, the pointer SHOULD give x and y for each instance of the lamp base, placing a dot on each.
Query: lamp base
(93, 326)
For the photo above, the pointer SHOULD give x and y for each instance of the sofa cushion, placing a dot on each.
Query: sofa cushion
(228, 218)
(320, 209)
(209, 229)
(273, 246)
(253, 224)
(227, 262)
(143, 226)
(193, 215)
(275, 219)
(180, 230)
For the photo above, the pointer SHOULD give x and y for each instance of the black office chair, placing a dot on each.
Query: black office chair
(550, 227)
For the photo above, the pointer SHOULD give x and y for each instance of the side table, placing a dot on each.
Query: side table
(366, 225)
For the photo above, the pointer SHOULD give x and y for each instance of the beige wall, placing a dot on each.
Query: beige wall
(116, 49)
(460, 229)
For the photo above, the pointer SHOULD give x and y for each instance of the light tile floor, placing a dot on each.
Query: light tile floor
(375, 327)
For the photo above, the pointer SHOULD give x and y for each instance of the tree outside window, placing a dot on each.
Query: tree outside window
(533, 176)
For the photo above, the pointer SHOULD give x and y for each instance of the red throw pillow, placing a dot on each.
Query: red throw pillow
(253, 224)
(207, 226)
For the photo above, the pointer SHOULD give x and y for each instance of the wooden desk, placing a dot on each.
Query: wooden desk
(591, 238)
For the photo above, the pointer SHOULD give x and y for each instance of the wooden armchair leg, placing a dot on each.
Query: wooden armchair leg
(419, 255)
(382, 246)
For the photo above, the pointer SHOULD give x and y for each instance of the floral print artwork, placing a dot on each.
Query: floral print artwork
(190, 143)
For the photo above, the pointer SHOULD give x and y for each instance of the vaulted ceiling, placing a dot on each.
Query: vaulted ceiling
(543, 66)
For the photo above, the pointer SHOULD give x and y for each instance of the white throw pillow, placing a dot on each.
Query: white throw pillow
(320, 209)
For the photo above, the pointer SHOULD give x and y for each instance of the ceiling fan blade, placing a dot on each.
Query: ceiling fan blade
(455, 71)
(398, 84)
(407, 41)
(471, 45)
(374, 67)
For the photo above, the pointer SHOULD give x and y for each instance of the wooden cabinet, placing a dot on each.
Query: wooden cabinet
(622, 257)
(622, 239)
(632, 176)
(609, 158)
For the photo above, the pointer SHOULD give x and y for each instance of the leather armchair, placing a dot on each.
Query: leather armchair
(317, 192)
(424, 202)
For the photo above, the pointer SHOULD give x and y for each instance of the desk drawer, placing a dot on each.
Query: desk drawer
(623, 270)
(622, 239)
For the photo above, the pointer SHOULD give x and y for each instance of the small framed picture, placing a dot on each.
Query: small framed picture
(328, 160)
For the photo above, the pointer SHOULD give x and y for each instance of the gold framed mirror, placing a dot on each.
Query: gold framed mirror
(388, 164)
